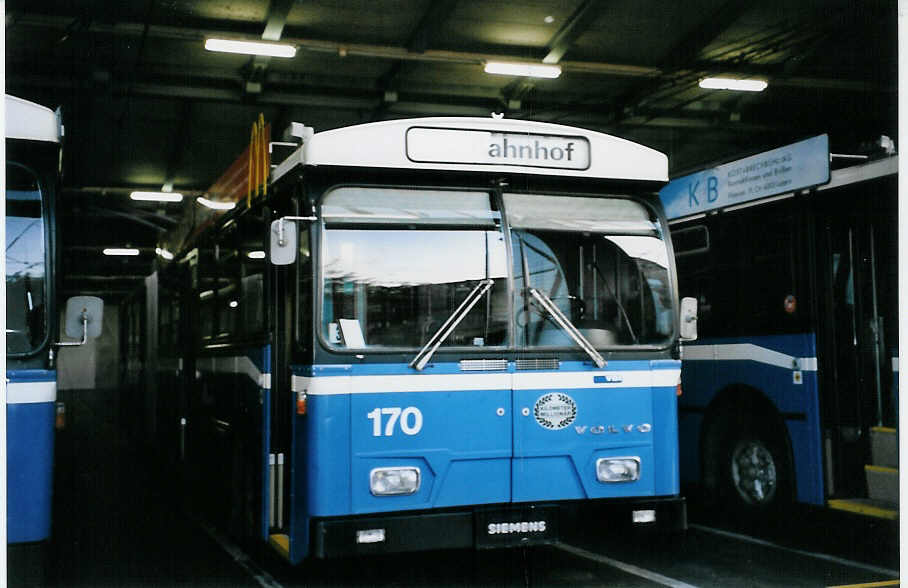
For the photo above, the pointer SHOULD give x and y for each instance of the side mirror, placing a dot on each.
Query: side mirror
(284, 239)
(688, 319)
(283, 242)
(83, 319)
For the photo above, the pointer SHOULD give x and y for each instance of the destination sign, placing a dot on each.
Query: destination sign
(793, 167)
(434, 145)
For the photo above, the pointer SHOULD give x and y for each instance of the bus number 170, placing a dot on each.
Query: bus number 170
(410, 420)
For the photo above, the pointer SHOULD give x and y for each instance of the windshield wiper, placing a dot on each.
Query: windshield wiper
(428, 350)
(567, 326)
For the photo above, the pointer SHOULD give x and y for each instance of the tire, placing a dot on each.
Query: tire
(755, 472)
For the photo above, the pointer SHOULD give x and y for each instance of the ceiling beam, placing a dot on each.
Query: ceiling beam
(570, 31)
(680, 56)
(431, 21)
(278, 10)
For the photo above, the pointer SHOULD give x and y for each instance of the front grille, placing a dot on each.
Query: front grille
(483, 365)
(538, 364)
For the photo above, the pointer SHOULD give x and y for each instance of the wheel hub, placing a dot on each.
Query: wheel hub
(753, 472)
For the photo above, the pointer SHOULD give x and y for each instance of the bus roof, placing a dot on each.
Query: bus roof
(481, 144)
(30, 121)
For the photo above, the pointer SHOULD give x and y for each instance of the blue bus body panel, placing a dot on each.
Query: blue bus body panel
(767, 364)
(30, 456)
(477, 438)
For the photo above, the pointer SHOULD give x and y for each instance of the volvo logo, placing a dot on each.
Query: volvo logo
(613, 429)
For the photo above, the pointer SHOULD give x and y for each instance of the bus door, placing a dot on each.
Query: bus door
(289, 285)
(857, 314)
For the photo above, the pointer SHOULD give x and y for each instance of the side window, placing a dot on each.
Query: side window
(771, 288)
(227, 291)
(26, 312)
(251, 264)
(741, 268)
(305, 288)
(206, 289)
(697, 275)
(240, 300)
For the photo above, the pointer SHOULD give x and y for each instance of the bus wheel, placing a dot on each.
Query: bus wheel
(753, 472)
(756, 471)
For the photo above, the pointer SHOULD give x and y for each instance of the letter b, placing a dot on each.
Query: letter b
(712, 189)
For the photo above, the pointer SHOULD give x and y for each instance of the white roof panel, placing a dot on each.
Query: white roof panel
(482, 144)
(27, 120)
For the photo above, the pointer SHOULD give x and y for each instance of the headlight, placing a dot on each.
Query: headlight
(394, 481)
(618, 469)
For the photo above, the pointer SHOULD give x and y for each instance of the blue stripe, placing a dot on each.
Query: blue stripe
(31, 375)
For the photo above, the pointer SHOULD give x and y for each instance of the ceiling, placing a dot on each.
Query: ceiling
(145, 104)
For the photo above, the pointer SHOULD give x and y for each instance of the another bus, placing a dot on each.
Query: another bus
(422, 334)
(790, 393)
(33, 165)
(32, 172)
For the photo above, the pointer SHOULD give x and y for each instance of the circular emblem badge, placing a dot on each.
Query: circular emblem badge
(555, 410)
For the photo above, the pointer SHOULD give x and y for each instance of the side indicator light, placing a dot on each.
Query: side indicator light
(60, 420)
(678, 389)
(301, 402)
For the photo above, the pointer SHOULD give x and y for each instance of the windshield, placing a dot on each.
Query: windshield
(398, 263)
(26, 314)
(602, 262)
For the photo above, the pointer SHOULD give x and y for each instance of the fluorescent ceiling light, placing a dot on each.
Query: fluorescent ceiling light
(751, 85)
(157, 196)
(121, 251)
(164, 253)
(533, 70)
(256, 255)
(250, 47)
(215, 205)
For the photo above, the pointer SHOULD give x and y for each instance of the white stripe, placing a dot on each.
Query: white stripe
(625, 567)
(747, 351)
(238, 364)
(30, 392)
(823, 556)
(333, 385)
(575, 380)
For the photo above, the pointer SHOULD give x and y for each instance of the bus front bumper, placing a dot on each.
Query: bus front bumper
(492, 526)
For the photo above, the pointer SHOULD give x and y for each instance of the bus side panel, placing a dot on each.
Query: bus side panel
(765, 364)
(665, 430)
(30, 455)
(326, 446)
(807, 445)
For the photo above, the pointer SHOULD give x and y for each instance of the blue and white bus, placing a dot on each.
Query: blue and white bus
(33, 165)
(790, 392)
(430, 333)
(32, 172)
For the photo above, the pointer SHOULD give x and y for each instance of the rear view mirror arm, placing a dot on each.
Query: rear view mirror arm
(84, 334)
(280, 225)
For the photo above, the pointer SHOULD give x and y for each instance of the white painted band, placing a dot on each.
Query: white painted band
(747, 352)
(30, 392)
(238, 364)
(373, 384)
